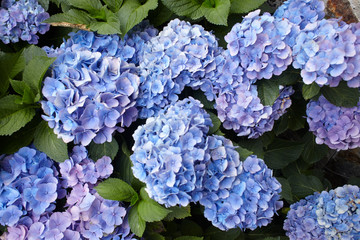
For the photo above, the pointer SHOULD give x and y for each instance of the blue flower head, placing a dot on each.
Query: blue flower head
(238, 194)
(337, 127)
(90, 95)
(325, 51)
(262, 44)
(326, 215)
(301, 12)
(182, 54)
(169, 153)
(22, 20)
(28, 183)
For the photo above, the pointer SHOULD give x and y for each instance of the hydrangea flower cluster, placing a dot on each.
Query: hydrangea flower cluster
(240, 108)
(337, 127)
(182, 54)
(22, 20)
(301, 12)
(87, 215)
(322, 52)
(169, 152)
(326, 215)
(238, 194)
(262, 44)
(28, 183)
(88, 95)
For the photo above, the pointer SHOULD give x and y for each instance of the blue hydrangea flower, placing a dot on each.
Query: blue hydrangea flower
(28, 184)
(262, 44)
(326, 215)
(169, 152)
(301, 12)
(337, 127)
(22, 20)
(88, 95)
(238, 194)
(322, 52)
(182, 54)
(240, 109)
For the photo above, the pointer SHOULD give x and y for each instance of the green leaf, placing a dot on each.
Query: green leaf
(310, 91)
(244, 6)
(72, 16)
(45, 140)
(354, 181)
(155, 236)
(189, 8)
(285, 189)
(8, 61)
(341, 95)
(44, 4)
(23, 137)
(13, 116)
(88, 5)
(190, 228)
(243, 152)
(303, 186)
(115, 189)
(189, 238)
(113, 5)
(35, 70)
(313, 152)
(29, 53)
(132, 12)
(110, 27)
(109, 149)
(136, 223)
(150, 210)
(178, 213)
(268, 91)
(160, 15)
(216, 11)
(216, 234)
(125, 163)
(281, 152)
(216, 123)
(199, 95)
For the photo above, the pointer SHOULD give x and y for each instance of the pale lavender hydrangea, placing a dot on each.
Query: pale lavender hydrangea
(28, 185)
(337, 127)
(182, 54)
(240, 108)
(262, 44)
(169, 152)
(22, 20)
(238, 194)
(326, 215)
(322, 52)
(301, 12)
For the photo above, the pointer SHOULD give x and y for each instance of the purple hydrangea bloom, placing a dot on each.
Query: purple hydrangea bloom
(22, 20)
(326, 215)
(301, 12)
(28, 184)
(262, 44)
(169, 152)
(238, 194)
(182, 54)
(240, 108)
(337, 127)
(322, 52)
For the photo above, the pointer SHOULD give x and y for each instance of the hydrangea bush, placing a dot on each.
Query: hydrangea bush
(228, 122)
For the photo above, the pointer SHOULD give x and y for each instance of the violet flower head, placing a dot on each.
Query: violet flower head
(262, 44)
(182, 54)
(169, 152)
(325, 52)
(22, 20)
(238, 194)
(337, 127)
(301, 12)
(326, 215)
